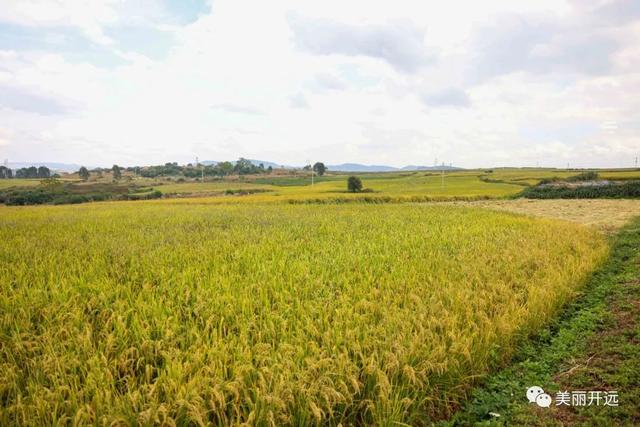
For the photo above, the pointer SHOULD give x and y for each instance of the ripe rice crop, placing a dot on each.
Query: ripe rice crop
(151, 313)
(383, 188)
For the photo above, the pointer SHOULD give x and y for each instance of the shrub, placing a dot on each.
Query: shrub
(25, 197)
(584, 176)
(549, 180)
(628, 190)
(72, 199)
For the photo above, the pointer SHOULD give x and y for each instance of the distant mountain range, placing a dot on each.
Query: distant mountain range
(356, 167)
(344, 167)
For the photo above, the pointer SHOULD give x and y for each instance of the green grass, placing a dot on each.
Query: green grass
(64, 192)
(594, 345)
(151, 313)
(8, 183)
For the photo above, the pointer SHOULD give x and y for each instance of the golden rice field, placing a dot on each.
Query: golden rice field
(155, 313)
(414, 186)
(407, 187)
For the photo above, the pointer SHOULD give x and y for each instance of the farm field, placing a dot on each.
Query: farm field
(210, 187)
(395, 187)
(385, 187)
(267, 301)
(271, 314)
(410, 186)
(323, 214)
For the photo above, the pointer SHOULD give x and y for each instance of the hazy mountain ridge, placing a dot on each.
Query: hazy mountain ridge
(356, 167)
(54, 166)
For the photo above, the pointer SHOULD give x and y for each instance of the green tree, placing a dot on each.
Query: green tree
(244, 166)
(354, 184)
(43, 172)
(5, 173)
(116, 172)
(225, 168)
(83, 173)
(319, 168)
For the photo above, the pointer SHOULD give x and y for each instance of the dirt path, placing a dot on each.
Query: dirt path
(607, 215)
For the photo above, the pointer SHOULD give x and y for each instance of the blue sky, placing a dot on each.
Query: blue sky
(490, 84)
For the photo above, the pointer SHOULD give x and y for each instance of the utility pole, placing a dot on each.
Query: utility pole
(201, 168)
(443, 175)
(312, 171)
(636, 162)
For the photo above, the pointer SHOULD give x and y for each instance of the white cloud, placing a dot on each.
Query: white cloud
(77, 13)
(447, 97)
(400, 44)
(333, 83)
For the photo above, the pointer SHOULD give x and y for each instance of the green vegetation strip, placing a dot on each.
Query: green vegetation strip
(626, 190)
(594, 345)
(56, 192)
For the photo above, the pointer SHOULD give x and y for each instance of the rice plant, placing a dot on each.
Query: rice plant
(200, 314)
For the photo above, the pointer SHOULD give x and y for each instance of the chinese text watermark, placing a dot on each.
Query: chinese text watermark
(538, 396)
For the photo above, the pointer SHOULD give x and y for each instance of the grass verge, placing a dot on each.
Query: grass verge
(594, 345)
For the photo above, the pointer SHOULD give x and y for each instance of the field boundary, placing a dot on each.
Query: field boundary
(572, 345)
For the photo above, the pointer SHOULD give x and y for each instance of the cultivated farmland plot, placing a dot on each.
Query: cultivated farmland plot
(145, 313)
(303, 213)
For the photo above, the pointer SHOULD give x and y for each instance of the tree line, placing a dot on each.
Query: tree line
(30, 172)
(241, 167)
